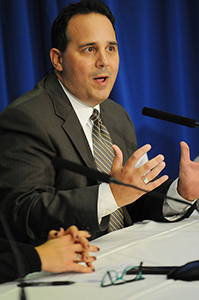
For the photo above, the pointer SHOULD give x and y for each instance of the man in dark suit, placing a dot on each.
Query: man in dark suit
(54, 120)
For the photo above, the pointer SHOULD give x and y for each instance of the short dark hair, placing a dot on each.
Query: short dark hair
(59, 37)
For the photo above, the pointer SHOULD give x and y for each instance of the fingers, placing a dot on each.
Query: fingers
(152, 168)
(85, 234)
(154, 184)
(82, 269)
(52, 234)
(60, 233)
(94, 248)
(88, 260)
(85, 243)
(147, 171)
(55, 234)
(78, 247)
(131, 163)
(117, 167)
(77, 234)
(84, 257)
(72, 230)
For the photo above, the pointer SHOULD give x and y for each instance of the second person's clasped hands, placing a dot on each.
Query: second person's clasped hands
(65, 249)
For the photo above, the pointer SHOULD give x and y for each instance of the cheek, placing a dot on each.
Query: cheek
(115, 66)
(79, 70)
(73, 73)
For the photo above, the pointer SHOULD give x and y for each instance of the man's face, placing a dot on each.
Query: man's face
(90, 62)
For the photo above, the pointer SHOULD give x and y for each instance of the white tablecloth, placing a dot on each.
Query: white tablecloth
(156, 244)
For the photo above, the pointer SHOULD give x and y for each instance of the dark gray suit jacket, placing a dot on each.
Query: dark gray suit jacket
(35, 196)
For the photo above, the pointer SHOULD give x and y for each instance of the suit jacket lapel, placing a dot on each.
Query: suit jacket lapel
(71, 125)
(74, 130)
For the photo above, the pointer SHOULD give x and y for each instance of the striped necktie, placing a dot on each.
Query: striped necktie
(104, 154)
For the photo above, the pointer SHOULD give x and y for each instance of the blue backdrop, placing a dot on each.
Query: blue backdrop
(159, 63)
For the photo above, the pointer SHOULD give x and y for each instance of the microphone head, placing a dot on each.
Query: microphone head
(187, 272)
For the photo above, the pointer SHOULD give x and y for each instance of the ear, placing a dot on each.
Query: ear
(56, 59)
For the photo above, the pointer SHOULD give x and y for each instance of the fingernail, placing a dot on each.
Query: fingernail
(77, 237)
(98, 249)
(94, 257)
(93, 270)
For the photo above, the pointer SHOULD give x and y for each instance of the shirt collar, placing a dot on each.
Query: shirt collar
(82, 110)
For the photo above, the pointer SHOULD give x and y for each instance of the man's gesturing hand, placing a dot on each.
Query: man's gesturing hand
(135, 176)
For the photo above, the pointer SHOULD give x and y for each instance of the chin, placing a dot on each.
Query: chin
(98, 97)
(102, 96)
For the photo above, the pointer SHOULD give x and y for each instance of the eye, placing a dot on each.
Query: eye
(112, 48)
(89, 49)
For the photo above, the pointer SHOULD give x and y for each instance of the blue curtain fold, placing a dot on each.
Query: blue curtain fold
(159, 63)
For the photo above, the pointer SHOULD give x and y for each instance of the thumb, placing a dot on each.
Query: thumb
(118, 159)
(185, 153)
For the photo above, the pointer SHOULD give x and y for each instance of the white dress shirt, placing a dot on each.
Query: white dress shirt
(172, 210)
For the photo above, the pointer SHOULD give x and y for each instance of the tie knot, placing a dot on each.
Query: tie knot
(95, 116)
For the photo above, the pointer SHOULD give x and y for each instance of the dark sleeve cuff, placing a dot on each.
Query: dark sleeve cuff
(31, 259)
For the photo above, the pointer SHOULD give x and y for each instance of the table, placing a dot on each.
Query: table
(153, 243)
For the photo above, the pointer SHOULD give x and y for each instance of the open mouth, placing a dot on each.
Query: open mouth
(101, 79)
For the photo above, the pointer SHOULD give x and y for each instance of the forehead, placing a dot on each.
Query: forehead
(92, 27)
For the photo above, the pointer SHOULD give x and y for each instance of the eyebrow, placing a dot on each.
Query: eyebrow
(92, 44)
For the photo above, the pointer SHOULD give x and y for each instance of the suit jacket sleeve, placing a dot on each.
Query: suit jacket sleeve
(8, 266)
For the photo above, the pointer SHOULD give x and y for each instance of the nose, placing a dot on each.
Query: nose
(102, 60)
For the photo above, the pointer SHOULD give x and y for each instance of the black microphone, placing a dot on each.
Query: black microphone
(158, 114)
(102, 177)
